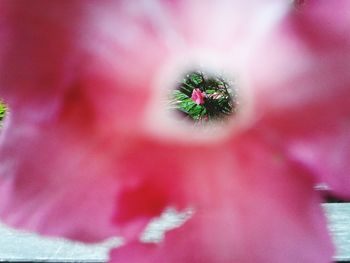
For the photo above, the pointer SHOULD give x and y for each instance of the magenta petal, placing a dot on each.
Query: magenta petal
(57, 182)
(73, 98)
(37, 52)
(49, 49)
(325, 27)
(72, 179)
(306, 84)
(75, 161)
(198, 96)
(217, 238)
(263, 212)
(254, 235)
(327, 155)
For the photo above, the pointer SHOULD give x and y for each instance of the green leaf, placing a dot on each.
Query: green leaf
(196, 79)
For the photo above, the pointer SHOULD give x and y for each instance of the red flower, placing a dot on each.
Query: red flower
(198, 96)
(88, 152)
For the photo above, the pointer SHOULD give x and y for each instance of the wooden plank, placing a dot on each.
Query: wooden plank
(20, 246)
(339, 224)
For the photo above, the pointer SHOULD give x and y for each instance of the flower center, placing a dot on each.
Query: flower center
(198, 99)
(204, 98)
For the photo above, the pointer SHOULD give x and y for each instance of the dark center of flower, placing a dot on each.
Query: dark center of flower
(204, 98)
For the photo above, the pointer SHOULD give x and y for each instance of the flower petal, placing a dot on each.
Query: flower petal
(266, 211)
(57, 181)
(49, 48)
(71, 178)
(73, 96)
(325, 28)
(306, 83)
(37, 51)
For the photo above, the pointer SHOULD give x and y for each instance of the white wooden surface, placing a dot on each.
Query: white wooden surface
(339, 224)
(20, 246)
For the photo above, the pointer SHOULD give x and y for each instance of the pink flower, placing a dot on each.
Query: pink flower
(88, 152)
(198, 96)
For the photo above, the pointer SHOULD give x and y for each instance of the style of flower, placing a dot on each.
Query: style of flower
(198, 96)
(87, 151)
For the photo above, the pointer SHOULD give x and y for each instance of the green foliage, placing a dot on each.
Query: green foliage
(219, 101)
(3, 110)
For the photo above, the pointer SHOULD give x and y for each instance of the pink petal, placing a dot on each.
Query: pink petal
(326, 154)
(265, 211)
(57, 181)
(69, 178)
(49, 49)
(325, 28)
(37, 52)
(85, 169)
(72, 179)
(306, 83)
(73, 98)
(198, 96)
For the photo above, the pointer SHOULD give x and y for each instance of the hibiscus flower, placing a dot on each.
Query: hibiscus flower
(89, 152)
